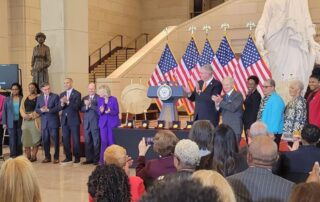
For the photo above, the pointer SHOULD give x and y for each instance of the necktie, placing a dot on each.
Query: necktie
(204, 86)
(46, 100)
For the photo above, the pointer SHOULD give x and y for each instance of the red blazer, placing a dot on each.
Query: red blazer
(314, 109)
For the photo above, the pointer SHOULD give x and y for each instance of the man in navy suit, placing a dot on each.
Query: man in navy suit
(204, 89)
(48, 107)
(90, 125)
(70, 103)
(296, 165)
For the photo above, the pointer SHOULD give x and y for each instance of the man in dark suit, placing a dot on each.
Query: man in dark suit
(251, 104)
(204, 89)
(90, 125)
(296, 165)
(48, 108)
(230, 105)
(70, 102)
(257, 183)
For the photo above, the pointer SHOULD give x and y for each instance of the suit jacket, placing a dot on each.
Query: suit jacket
(251, 108)
(49, 119)
(70, 112)
(90, 114)
(8, 112)
(231, 110)
(296, 165)
(204, 106)
(259, 184)
(110, 119)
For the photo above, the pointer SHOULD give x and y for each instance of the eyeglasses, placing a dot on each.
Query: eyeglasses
(15, 89)
(266, 86)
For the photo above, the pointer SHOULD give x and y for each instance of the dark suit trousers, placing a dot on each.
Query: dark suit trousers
(15, 143)
(67, 132)
(92, 144)
(46, 134)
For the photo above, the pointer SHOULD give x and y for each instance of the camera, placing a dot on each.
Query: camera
(149, 140)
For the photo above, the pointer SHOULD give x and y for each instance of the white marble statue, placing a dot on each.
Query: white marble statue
(285, 37)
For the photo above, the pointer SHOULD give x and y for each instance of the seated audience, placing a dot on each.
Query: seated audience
(117, 155)
(164, 143)
(210, 178)
(109, 183)
(313, 100)
(202, 133)
(183, 190)
(186, 157)
(225, 156)
(305, 192)
(257, 183)
(295, 114)
(295, 165)
(18, 181)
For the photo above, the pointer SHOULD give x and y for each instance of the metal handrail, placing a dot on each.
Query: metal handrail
(136, 40)
(99, 50)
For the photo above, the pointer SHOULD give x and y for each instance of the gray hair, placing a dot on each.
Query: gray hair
(207, 67)
(297, 83)
(228, 79)
(105, 89)
(187, 151)
(258, 128)
(271, 82)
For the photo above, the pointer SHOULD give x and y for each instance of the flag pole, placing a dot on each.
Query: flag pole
(206, 28)
(250, 25)
(225, 27)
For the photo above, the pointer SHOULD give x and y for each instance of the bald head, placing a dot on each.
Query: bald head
(263, 151)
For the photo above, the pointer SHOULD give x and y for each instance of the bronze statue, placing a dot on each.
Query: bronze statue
(41, 60)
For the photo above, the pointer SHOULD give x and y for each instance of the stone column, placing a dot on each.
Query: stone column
(4, 36)
(65, 24)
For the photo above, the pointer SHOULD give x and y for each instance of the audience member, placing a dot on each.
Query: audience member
(108, 117)
(117, 155)
(205, 88)
(210, 178)
(257, 183)
(187, 190)
(271, 110)
(251, 104)
(295, 114)
(305, 192)
(164, 143)
(89, 107)
(226, 158)
(48, 108)
(70, 101)
(18, 181)
(295, 165)
(12, 120)
(31, 122)
(109, 183)
(230, 106)
(202, 133)
(313, 100)
(2, 100)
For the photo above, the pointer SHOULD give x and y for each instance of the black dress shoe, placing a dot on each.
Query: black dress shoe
(87, 162)
(96, 163)
(46, 160)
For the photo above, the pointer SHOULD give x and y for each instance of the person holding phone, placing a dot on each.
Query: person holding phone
(108, 109)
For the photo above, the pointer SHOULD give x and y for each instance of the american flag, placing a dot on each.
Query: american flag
(185, 75)
(207, 54)
(251, 63)
(224, 62)
(164, 70)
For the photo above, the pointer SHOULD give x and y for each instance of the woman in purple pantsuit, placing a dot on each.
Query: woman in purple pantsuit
(108, 108)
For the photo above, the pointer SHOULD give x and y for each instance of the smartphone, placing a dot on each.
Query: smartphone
(149, 140)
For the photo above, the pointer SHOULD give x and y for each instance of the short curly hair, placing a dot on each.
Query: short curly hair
(164, 142)
(40, 34)
(181, 190)
(187, 152)
(109, 183)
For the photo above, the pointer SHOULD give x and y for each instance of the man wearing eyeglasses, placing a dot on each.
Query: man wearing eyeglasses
(271, 110)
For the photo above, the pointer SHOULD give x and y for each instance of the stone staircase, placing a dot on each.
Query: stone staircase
(109, 65)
